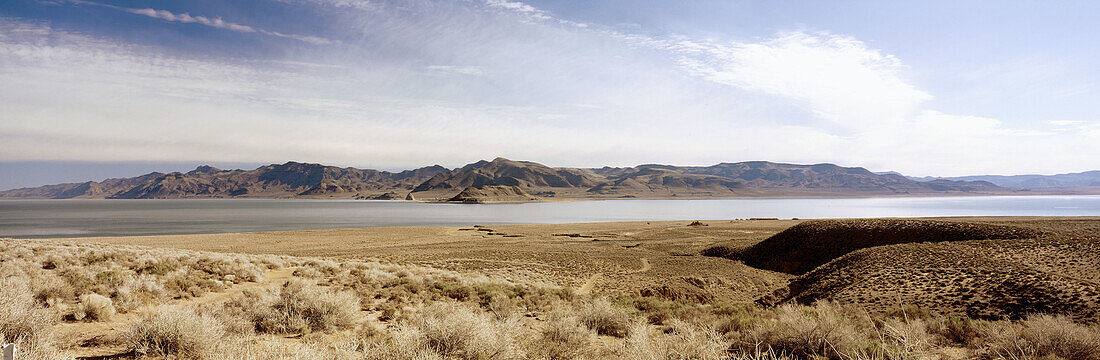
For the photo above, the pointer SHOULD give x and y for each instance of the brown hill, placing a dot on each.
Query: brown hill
(983, 279)
(982, 270)
(647, 181)
(492, 194)
(506, 172)
(805, 246)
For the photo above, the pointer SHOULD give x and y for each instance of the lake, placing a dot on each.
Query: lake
(79, 218)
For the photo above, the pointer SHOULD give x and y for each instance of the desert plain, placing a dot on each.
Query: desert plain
(928, 288)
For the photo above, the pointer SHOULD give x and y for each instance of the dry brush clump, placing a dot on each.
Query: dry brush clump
(297, 307)
(563, 337)
(803, 332)
(450, 330)
(94, 307)
(180, 332)
(604, 318)
(26, 323)
(1043, 337)
(680, 340)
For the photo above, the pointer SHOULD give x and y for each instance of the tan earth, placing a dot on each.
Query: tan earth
(655, 257)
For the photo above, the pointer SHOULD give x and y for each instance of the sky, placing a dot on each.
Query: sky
(930, 88)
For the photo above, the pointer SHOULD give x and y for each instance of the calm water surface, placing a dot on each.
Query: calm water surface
(70, 218)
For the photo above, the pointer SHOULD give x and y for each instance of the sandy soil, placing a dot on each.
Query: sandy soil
(589, 257)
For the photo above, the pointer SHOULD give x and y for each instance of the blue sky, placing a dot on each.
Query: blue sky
(924, 88)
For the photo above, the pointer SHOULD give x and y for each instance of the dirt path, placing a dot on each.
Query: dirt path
(93, 339)
(591, 282)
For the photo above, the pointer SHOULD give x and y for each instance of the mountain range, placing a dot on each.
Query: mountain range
(1087, 178)
(521, 179)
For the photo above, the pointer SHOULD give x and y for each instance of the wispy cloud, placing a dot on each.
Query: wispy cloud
(215, 22)
(454, 69)
(184, 18)
(521, 8)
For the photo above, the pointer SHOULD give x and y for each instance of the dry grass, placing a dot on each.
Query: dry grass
(956, 330)
(94, 307)
(447, 329)
(680, 340)
(563, 337)
(803, 332)
(298, 307)
(604, 318)
(26, 323)
(179, 332)
(1043, 337)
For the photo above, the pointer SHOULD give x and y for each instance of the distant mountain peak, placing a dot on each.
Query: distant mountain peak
(204, 169)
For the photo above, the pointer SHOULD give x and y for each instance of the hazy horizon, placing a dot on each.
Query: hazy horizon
(926, 89)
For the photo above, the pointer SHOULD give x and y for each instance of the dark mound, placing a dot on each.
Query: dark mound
(808, 245)
(392, 195)
(492, 193)
(984, 279)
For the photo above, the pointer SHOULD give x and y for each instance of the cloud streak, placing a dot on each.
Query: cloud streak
(215, 22)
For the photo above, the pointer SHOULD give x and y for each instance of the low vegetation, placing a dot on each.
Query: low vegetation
(198, 305)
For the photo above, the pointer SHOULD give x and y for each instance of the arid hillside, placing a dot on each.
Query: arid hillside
(436, 183)
(980, 269)
(806, 246)
(646, 182)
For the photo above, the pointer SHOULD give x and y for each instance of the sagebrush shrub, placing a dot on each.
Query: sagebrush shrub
(1044, 336)
(180, 332)
(299, 306)
(681, 341)
(563, 337)
(603, 317)
(94, 307)
(803, 332)
(956, 330)
(451, 330)
(21, 318)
